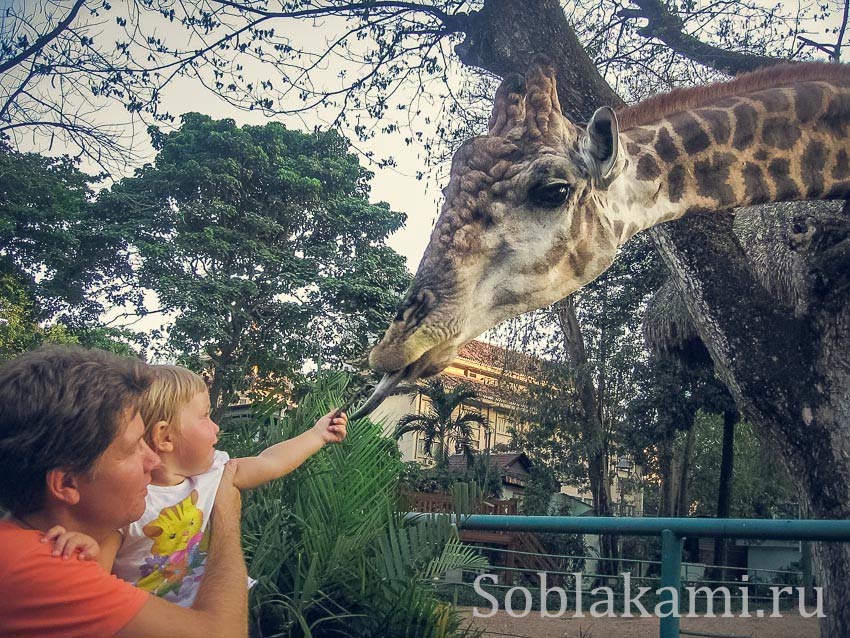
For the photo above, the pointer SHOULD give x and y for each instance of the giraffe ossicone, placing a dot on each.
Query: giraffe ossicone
(536, 208)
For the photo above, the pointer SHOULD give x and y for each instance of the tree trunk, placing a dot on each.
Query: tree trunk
(667, 471)
(593, 433)
(724, 491)
(683, 506)
(789, 375)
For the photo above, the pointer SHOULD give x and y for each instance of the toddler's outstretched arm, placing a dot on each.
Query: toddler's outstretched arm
(279, 460)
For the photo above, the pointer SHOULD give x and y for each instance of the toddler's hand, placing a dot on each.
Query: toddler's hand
(65, 543)
(332, 427)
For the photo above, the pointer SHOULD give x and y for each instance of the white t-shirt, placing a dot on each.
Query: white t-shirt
(165, 551)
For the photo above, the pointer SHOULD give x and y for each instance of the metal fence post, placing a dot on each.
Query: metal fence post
(671, 576)
(806, 566)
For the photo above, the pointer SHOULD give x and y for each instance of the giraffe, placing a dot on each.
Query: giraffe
(537, 208)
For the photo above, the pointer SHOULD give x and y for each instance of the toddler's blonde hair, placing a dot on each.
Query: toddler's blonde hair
(172, 388)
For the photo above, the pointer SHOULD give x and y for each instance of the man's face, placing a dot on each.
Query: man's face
(113, 493)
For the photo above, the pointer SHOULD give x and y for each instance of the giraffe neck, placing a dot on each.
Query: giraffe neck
(773, 145)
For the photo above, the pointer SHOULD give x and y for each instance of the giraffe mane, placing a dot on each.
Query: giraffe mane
(659, 106)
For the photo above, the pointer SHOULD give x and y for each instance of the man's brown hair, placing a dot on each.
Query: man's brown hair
(60, 408)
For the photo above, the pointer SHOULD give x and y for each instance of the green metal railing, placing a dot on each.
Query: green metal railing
(671, 531)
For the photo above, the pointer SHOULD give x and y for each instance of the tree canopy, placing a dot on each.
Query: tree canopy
(262, 242)
(52, 243)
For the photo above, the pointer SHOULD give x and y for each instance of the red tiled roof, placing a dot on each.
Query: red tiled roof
(499, 391)
(497, 357)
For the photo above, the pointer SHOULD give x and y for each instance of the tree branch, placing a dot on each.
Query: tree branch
(836, 54)
(40, 43)
(669, 29)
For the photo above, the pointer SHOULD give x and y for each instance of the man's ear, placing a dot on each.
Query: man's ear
(162, 436)
(602, 143)
(63, 486)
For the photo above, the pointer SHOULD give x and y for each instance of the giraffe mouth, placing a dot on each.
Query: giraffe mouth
(430, 363)
(387, 384)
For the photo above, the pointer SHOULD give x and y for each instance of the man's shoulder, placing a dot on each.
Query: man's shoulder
(18, 542)
(25, 557)
(62, 597)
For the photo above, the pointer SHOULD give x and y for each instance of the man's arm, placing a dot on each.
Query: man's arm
(282, 458)
(221, 606)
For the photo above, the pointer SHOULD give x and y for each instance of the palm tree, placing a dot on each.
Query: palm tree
(445, 423)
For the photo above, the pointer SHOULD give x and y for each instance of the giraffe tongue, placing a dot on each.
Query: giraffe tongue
(381, 392)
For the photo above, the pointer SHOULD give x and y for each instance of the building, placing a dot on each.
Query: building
(497, 375)
(490, 370)
(513, 469)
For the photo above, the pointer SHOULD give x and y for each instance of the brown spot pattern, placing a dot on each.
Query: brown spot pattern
(779, 133)
(774, 100)
(647, 168)
(807, 101)
(746, 119)
(642, 135)
(779, 170)
(756, 190)
(712, 177)
(837, 116)
(718, 123)
(665, 146)
(812, 166)
(694, 138)
(841, 170)
(676, 183)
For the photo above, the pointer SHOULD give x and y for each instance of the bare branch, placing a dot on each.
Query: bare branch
(43, 40)
(669, 29)
(836, 55)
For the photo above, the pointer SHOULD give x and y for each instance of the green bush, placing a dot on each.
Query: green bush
(332, 554)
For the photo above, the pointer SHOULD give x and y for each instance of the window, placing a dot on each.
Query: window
(420, 446)
(501, 423)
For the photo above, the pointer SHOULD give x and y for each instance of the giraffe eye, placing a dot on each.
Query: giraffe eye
(550, 195)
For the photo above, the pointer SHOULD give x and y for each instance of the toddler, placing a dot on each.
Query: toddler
(164, 551)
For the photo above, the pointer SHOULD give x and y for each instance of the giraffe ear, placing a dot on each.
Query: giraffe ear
(602, 142)
(508, 105)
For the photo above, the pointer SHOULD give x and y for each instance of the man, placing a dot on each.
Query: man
(72, 453)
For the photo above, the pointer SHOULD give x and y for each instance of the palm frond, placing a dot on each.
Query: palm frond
(333, 556)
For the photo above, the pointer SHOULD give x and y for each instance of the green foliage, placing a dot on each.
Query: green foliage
(609, 313)
(438, 479)
(263, 242)
(53, 247)
(20, 329)
(761, 488)
(332, 555)
(446, 427)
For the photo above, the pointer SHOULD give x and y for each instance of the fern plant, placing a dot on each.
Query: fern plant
(333, 555)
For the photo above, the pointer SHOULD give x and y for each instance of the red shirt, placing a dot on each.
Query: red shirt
(47, 597)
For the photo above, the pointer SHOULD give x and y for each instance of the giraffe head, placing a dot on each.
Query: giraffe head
(524, 224)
